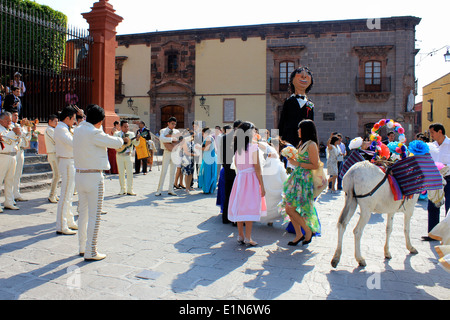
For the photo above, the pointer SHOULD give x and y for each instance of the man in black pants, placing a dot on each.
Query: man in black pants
(230, 174)
(145, 133)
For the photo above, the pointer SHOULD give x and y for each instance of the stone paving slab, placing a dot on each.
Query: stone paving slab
(193, 256)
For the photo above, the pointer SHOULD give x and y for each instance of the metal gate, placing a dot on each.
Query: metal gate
(53, 60)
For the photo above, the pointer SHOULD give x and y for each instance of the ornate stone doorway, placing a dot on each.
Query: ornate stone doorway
(172, 111)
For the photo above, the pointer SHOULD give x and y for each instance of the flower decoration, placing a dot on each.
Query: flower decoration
(377, 145)
(384, 151)
(418, 147)
(289, 152)
(355, 143)
(257, 137)
(309, 106)
(439, 165)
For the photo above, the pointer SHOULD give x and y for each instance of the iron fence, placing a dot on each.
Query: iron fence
(51, 58)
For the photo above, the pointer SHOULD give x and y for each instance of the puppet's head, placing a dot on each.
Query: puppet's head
(304, 79)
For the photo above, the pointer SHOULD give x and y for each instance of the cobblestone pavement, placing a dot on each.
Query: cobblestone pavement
(177, 248)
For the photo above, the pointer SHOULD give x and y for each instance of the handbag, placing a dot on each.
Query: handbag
(319, 180)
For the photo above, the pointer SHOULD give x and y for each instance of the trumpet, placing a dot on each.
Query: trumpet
(28, 123)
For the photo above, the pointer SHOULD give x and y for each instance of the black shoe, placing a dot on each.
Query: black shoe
(304, 243)
(294, 243)
(427, 238)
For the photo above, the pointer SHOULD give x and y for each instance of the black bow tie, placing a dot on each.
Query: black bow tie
(300, 97)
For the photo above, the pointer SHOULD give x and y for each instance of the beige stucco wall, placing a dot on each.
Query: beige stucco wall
(136, 74)
(233, 69)
(438, 92)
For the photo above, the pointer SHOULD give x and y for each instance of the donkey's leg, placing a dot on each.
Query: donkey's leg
(389, 223)
(346, 214)
(358, 231)
(406, 227)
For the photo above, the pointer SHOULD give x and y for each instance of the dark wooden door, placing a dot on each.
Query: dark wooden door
(172, 111)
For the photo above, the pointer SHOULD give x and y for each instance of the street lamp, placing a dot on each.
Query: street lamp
(447, 56)
(203, 105)
(130, 105)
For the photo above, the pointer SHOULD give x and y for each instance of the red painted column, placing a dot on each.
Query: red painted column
(102, 22)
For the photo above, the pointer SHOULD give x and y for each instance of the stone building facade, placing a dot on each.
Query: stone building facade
(363, 72)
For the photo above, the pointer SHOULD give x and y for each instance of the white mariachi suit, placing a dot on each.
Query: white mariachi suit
(167, 160)
(24, 142)
(64, 152)
(8, 164)
(51, 157)
(125, 162)
(91, 159)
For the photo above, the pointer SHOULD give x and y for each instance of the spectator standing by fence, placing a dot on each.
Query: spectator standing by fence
(18, 83)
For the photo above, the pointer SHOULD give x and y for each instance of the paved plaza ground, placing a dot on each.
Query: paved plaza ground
(174, 248)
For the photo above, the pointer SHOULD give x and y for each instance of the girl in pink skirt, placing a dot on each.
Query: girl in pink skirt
(247, 202)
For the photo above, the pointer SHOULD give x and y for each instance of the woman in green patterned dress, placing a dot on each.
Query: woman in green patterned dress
(298, 199)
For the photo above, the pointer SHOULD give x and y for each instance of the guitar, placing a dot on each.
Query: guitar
(126, 145)
(169, 146)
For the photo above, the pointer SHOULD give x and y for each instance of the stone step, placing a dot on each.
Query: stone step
(34, 185)
(33, 159)
(36, 177)
(36, 168)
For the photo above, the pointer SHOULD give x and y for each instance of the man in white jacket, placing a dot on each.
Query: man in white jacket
(168, 137)
(9, 140)
(24, 142)
(91, 159)
(65, 223)
(124, 158)
(51, 155)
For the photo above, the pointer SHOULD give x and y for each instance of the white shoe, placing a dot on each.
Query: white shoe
(1, 210)
(158, 194)
(73, 227)
(11, 207)
(66, 232)
(20, 199)
(53, 200)
(97, 257)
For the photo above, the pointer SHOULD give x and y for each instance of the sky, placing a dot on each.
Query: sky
(140, 16)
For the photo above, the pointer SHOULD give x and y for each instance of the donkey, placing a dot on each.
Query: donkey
(361, 179)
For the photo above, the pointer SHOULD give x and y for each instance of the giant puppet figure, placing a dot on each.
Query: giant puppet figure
(297, 107)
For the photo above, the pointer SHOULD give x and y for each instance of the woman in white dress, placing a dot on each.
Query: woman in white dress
(333, 152)
(274, 175)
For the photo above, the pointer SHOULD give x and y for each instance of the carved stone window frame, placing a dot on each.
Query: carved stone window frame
(367, 54)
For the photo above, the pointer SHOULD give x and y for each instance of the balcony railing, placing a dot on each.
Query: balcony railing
(366, 85)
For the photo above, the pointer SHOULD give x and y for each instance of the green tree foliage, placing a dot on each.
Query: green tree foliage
(32, 36)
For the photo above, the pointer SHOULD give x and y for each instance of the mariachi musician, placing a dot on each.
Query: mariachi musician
(169, 138)
(63, 135)
(9, 140)
(123, 157)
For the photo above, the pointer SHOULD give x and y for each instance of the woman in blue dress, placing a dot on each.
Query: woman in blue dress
(207, 177)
